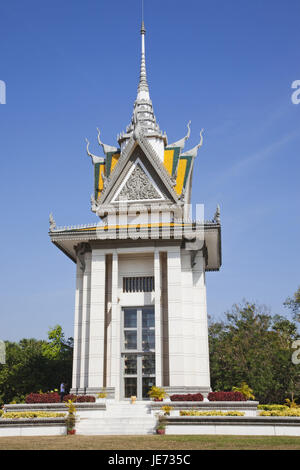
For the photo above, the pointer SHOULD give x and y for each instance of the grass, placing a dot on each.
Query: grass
(150, 443)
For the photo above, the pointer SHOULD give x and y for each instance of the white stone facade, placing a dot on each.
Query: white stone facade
(181, 331)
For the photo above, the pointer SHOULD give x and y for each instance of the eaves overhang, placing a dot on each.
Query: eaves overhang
(66, 239)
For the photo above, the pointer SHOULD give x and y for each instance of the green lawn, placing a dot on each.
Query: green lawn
(150, 443)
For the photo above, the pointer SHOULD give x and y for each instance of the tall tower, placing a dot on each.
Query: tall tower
(140, 304)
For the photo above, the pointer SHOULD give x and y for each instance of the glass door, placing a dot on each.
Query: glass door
(138, 351)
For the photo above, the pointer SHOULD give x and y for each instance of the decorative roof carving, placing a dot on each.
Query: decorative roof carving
(138, 187)
(152, 158)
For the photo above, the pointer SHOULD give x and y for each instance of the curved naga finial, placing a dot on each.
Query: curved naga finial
(181, 143)
(94, 158)
(193, 152)
(106, 148)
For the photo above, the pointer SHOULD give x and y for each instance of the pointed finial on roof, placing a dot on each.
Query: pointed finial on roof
(181, 143)
(106, 148)
(143, 113)
(94, 158)
(193, 152)
(143, 88)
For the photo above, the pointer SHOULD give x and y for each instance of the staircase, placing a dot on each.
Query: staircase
(118, 418)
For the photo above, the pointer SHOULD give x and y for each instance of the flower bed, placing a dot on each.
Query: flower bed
(273, 407)
(288, 412)
(80, 398)
(31, 415)
(187, 397)
(211, 413)
(54, 397)
(226, 396)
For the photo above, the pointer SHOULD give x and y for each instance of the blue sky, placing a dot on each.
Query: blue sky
(72, 66)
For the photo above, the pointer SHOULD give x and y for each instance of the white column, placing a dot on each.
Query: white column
(190, 326)
(97, 315)
(202, 375)
(158, 338)
(115, 374)
(86, 295)
(77, 330)
(175, 319)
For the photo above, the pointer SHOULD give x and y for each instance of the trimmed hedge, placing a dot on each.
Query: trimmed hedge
(211, 413)
(31, 415)
(53, 397)
(80, 398)
(226, 396)
(42, 398)
(187, 397)
(295, 412)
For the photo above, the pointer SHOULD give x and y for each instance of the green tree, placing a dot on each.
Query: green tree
(293, 303)
(253, 346)
(33, 365)
(57, 347)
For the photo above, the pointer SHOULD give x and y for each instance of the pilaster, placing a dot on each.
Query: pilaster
(85, 325)
(158, 320)
(77, 329)
(175, 318)
(115, 373)
(97, 319)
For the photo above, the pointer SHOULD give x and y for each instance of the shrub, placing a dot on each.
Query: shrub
(42, 398)
(211, 413)
(226, 396)
(80, 398)
(31, 414)
(273, 407)
(187, 397)
(288, 412)
(157, 393)
(53, 397)
(245, 390)
(167, 409)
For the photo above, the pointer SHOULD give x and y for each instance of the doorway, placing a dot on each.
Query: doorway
(138, 351)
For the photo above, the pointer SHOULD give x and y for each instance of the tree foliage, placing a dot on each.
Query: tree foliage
(293, 303)
(33, 365)
(255, 347)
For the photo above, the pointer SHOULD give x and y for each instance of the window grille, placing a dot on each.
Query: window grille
(138, 284)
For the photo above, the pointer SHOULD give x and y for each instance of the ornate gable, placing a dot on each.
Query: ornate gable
(138, 176)
(138, 186)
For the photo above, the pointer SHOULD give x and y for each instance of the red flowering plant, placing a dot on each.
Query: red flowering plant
(80, 398)
(51, 397)
(226, 396)
(187, 397)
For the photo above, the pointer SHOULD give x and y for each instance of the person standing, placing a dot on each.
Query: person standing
(62, 391)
